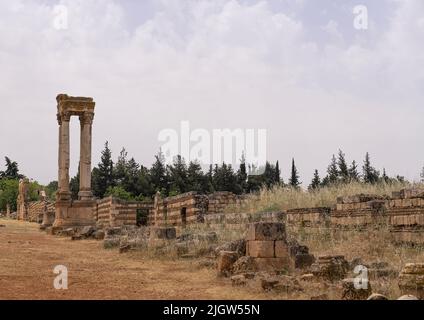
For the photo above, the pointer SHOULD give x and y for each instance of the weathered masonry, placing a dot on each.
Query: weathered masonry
(71, 213)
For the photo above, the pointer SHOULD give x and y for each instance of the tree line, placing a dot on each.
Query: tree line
(130, 180)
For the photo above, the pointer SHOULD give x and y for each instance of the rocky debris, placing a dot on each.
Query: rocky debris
(408, 297)
(238, 246)
(66, 232)
(226, 260)
(239, 280)
(243, 265)
(114, 231)
(99, 235)
(302, 258)
(411, 280)
(124, 248)
(377, 296)
(353, 291)
(303, 261)
(207, 262)
(281, 284)
(196, 244)
(330, 267)
(209, 237)
(77, 238)
(163, 233)
(307, 277)
(87, 232)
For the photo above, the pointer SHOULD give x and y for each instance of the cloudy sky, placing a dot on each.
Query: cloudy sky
(297, 68)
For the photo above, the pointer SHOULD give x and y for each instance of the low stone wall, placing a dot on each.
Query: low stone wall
(112, 212)
(34, 211)
(192, 207)
(309, 217)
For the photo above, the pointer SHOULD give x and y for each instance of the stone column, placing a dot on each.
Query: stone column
(85, 192)
(64, 150)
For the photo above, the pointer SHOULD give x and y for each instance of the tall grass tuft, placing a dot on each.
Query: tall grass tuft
(284, 198)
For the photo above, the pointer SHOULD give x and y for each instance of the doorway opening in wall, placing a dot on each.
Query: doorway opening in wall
(184, 217)
(142, 217)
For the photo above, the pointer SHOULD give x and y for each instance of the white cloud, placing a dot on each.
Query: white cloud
(210, 62)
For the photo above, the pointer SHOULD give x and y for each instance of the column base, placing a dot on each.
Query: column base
(75, 214)
(85, 195)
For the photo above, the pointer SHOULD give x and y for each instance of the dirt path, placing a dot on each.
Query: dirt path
(28, 257)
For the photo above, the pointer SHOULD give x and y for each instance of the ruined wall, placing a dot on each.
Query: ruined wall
(360, 211)
(37, 209)
(407, 216)
(192, 208)
(113, 212)
(309, 217)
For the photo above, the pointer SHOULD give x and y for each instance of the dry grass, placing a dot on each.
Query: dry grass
(282, 198)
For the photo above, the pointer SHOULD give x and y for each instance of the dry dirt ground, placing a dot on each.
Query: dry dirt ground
(28, 257)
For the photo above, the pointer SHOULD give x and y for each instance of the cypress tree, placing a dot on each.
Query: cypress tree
(158, 175)
(353, 172)
(316, 181)
(277, 179)
(343, 169)
(294, 178)
(333, 171)
(103, 175)
(370, 174)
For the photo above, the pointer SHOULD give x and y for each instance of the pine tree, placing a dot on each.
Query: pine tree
(196, 179)
(158, 175)
(353, 172)
(268, 175)
(333, 171)
(178, 176)
(294, 179)
(102, 176)
(12, 170)
(370, 174)
(120, 168)
(316, 181)
(277, 179)
(384, 177)
(242, 175)
(343, 169)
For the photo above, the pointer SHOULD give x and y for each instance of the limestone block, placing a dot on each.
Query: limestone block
(226, 260)
(281, 249)
(261, 249)
(266, 231)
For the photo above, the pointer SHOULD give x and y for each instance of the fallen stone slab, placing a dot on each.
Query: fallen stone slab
(351, 291)
(226, 260)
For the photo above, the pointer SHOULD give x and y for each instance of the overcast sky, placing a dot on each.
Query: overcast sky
(297, 68)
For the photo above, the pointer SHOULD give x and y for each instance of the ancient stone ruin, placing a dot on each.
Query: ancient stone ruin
(71, 213)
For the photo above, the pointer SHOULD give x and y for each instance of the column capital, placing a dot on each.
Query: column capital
(87, 118)
(63, 117)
